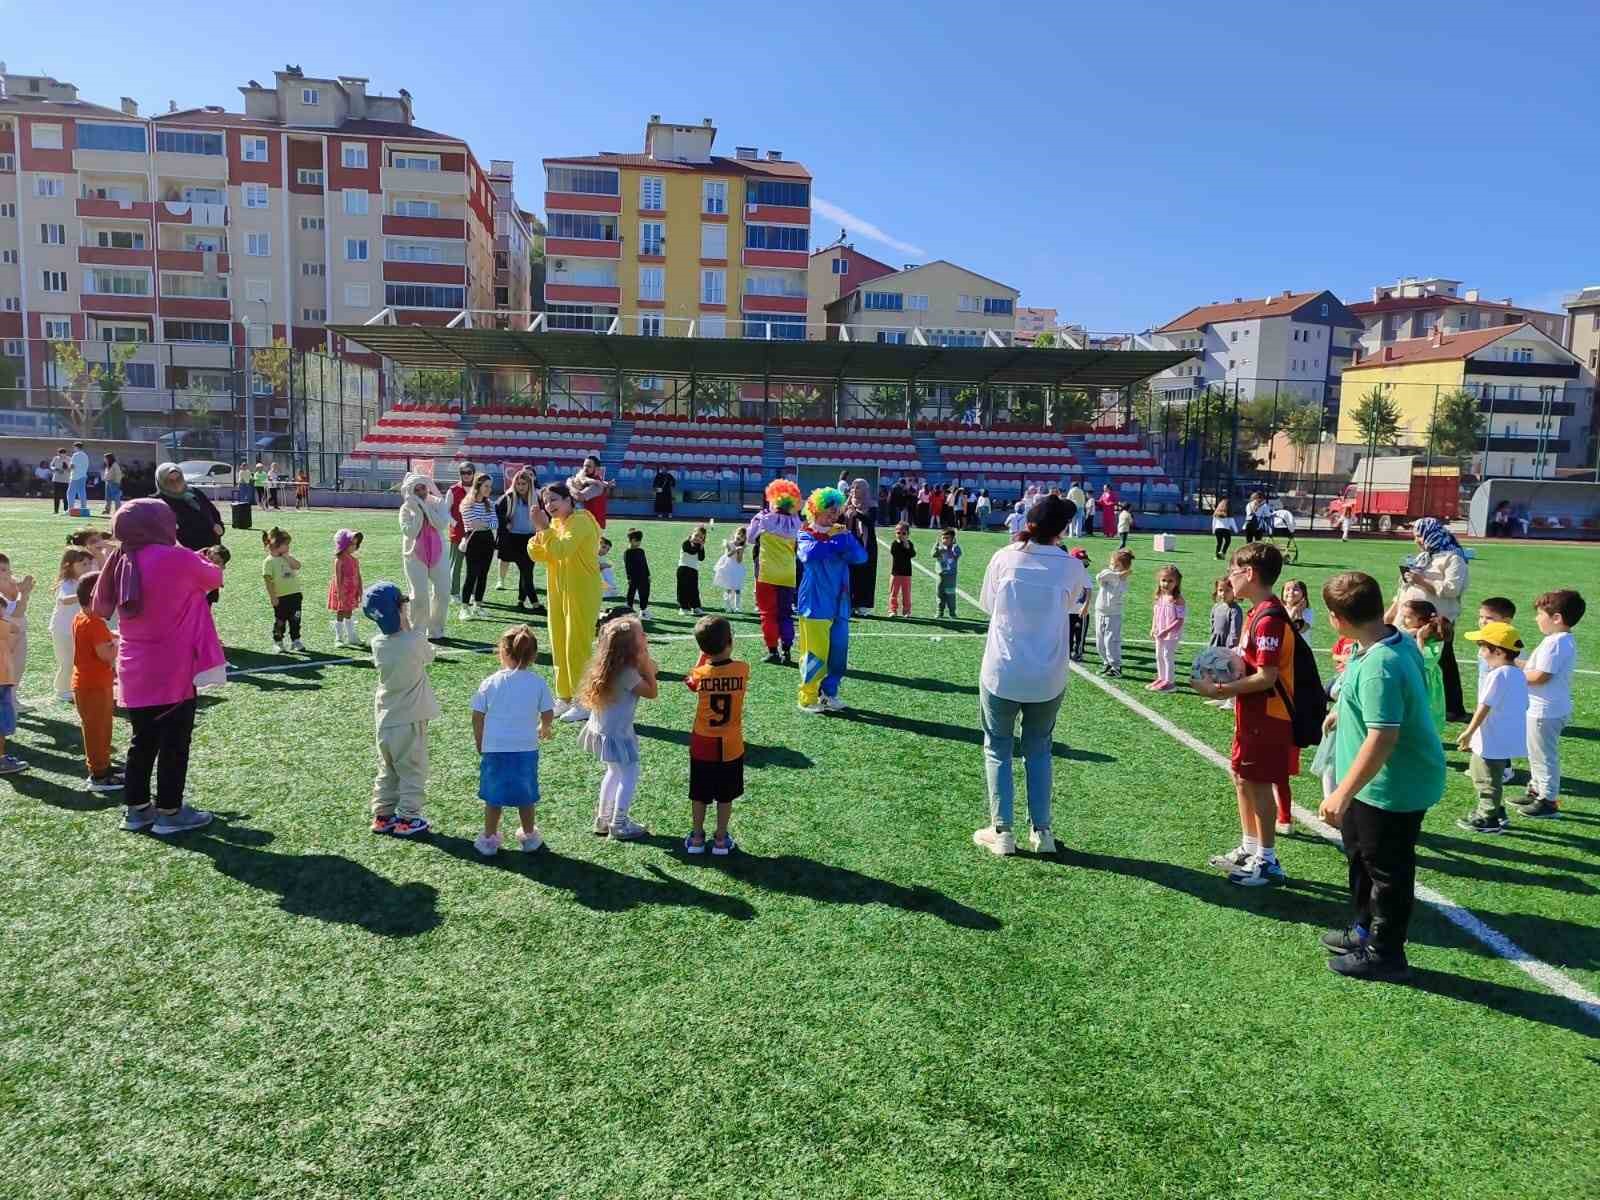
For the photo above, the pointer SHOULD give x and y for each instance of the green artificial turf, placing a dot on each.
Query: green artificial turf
(859, 1003)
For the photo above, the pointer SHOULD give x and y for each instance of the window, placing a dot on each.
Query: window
(8, 162)
(255, 195)
(103, 281)
(424, 295)
(310, 96)
(93, 136)
(841, 266)
(8, 257)
(415, 162)
(777, 237)
(355, 249)
(205, 243)
(649, 326)
(418, 208)
(1324, 309)
(202, 195)
(771, 285)
(1233, 335)
(13, 304)
(140, 374)
(119, 239)
(712, 327)
(883, 301)
(8, 210)
(713, 240)
(53, 235)
(582, 181)
(355, 202)
(314, 316)
(353, 154)
(13, 348)
(122, 331)
(652, 191)
(713, 287)
(253, 149)
(772, 191)
(650, 236)
(791, 329)
(311, 223)
(257, 289)
(53, 281)
(258, 245)
(652, 283)
(1521, 354)
(46, 186)
(964, 304)
(917, 303)
(173, 141)
(309, 177)
(1001, 306)
(194, 287)
(46, 137)
(398, 250)
(57, 329)
(358, 295)
(714, 196)
(313, 270)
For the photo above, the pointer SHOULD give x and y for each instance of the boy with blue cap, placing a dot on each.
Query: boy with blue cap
(403, 706)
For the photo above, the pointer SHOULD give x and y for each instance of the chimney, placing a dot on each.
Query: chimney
(1388, 353)
(655, 118)
(1286, 293)
(501, 168)
(355, 90)
(777, 156)
(1238, 299)
(1438, 335)
(705, 121)
(172, 106)
(130, 107)
(1506, 300)
(745, 153)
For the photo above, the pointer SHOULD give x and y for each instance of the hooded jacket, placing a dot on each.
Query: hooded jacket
(434, 509)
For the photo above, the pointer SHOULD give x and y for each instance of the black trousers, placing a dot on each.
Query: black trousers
(1381, 847)
(161, 736)
(688, 588)
(479, 555)
(638, 592)
(1450, 673)
(514, 550)
(58, 497)
(1077, 632)
(286, 615)
(1224, 540)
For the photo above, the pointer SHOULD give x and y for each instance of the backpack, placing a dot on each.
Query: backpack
(1308, 706)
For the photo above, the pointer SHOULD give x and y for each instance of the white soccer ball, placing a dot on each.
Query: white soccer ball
(1217, 664)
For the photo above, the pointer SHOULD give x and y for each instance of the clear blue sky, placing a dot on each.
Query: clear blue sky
(1119, 162)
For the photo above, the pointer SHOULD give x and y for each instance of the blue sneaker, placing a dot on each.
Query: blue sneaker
(410, 826)
(10, 764)
(692, 846)
(723, 846)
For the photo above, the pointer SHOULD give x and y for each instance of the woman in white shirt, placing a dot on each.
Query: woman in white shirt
(1223, 526)
(1030, 590)
(479, 521)
(1439, 575)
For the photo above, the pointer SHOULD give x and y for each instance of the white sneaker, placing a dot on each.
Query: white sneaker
(833, 704)
(1508, 775)
(574, 713)
(64, 698)
(1042, 841)
(280, 647)
(644, 614)
(1232, 860)
(1283, 826)
(487, 844)
(602, 825)
(816, 710)
(501, 586)
(297, 646)
(466, 614)
(531, 841)
(626, 829)
(338, 632)
(1258, 872)
(562, 706)
(995, 841)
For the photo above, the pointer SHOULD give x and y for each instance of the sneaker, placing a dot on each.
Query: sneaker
(773, 657)
(1113, 672)
(574, 713)
(691, 846)
(280, 647)
(788, 656)
(384, 823)
(833, 704)
(1232, 860)
(297, 646)
(465, 615)
(181, 820)
(529, 842)
(1258, 872)
(1508, 774)
(410, 826)
(816, 710)
(1489, 825)
(626, 829)
(1345, 941)
(1042, 841)
(995, 841)
(137, 820)
(562, 706)
(602, 825)
(723, 846)
(1539, 809)
(10, 764)
(501, 586)
(1283, 826)
(1366, 963)
(487, 844)
(644, 614)
(109, 782)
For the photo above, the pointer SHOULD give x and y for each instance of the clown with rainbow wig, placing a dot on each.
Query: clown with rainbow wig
(772, 533)
(827, 550)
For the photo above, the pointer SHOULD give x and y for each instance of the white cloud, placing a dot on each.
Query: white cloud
(854, 224)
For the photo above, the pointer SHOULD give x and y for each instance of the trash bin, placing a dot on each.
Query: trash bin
(241, 516)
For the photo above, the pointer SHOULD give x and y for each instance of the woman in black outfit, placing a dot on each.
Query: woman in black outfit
(199, 522)
(515, 512)
(662, 485)
(859, 519)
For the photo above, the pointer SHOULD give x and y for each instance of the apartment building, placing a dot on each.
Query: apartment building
(945, 304)
(1412, 307)
(213, 230)
(832, 272)
(514, 239)
(1291, 344)
(678, 240)
(1583, 327)
(1031, 322)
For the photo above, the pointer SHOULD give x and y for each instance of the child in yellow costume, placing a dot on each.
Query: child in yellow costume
(567, 541)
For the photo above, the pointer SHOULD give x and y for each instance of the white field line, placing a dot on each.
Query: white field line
(1468, 922)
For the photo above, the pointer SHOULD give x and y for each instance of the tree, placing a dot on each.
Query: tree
(77, 379)
(887, 403)
(1303, 425)
(1457, 427)
(197, 404)
(1377, 420)
(1044, 341)
(271, 363)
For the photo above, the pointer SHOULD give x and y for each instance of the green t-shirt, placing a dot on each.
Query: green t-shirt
(285, 579)
(1384, 688)
(1433, 679)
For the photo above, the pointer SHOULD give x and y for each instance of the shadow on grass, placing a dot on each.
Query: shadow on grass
(595, 886)
(1511, 848)
(755, 757)
(915, 683)
(954, 733)
(1582, 733)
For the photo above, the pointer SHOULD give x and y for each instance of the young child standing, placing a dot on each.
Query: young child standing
(75, 564)
(1017, 518)
(620, 674)
(608, 575)
(716, 745)
(281, 571)
(512, 713)
(901, 551)
(1166, 627)
(1078, 622)
(636, 566)
(1227, 618)
(690, 556)
(1111, 593)
(344, 589)
(93, 687)
(728, 574)
(402, 706)
(1498, 731)
(948, 555)
(13, 656)
(1420, 619)
(1549, 676)
(1124, 524)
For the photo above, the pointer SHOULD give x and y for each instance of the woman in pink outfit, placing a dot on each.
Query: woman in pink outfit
(1107, 504)
(167, 638)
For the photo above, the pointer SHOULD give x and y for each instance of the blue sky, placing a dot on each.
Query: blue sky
(1119, 162)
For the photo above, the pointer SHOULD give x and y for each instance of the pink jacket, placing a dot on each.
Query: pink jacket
(173, 637)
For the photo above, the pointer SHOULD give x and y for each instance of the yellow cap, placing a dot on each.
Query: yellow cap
(1497, 633)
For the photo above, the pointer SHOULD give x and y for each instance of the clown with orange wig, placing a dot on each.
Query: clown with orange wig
(772, 533)
(827, 550)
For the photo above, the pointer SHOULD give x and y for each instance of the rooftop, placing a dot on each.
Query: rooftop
(1438, 300)
(214, 116)
(718, 164)
(1280, 305)
(1439, 347)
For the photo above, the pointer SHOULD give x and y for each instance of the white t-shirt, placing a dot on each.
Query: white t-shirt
(1557, 655)
(1504, 734)
(80, 464)
(511, 703)
(1029, 591)
(1015, 522)
(1224, 524)
(1283, 520)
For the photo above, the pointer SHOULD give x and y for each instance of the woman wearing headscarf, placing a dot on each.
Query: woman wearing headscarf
(424, 525)
(167, 639)
(199, 522)
(859, 520)
(568, 544)
(1438, 574)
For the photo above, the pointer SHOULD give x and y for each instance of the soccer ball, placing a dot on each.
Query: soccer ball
(1217, 664)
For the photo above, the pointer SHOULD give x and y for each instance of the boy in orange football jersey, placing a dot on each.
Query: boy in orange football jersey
(716, 744)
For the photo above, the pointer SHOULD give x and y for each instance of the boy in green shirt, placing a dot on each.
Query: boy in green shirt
(1390, 766)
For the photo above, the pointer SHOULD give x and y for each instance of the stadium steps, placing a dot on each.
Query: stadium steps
(616, 445)
(772, 450)
(929, 456)
(1089, 465)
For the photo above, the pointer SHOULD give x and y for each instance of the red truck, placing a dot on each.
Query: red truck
(1397, 490)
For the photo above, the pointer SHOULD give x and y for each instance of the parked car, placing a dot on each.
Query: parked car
(208, 474)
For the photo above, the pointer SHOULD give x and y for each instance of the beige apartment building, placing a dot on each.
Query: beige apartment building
(1412, 307)
(1583, 327)
(938, 303)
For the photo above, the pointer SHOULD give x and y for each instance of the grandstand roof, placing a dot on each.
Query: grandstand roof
(815, 361)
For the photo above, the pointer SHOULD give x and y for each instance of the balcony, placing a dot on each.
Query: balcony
(121, 210)
(107, 256)
(431, 227)
(1530, 443)
(195, 307)
(581, 248)
(797, 259)
(426, 183)
(95, 302)
(192, 260)
(753, 303)
(1524, 370)
(186, 212)
(581, 293)
(395, 271)
(203, 167)
(110, 162)
(1531, 408)
(581, 202)
(776, 214)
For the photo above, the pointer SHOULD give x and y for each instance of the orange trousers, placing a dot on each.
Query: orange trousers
(95, 709)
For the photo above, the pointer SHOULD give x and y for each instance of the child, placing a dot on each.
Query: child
(75, 564)
(1016, 519)
(948, 555)
(1390, 767)
(1166, 626)
(13, 656)
(1498, 731)
(344, 589)
(901, 551)
(96, 541)
(281, 571)
(93, 680)
(728, 574)
(826, 551)
(512, 713)
(1227, 619)
(1420, 619)
(402, 707)
(1297, 600)
(1124, 524)
(1111, 593)
(1344, 649)
(1078, 622)
(636, 566)
(773, 532)
(1494, 608)
(608, 576)
(1549, 676)
(690, 557)
(620, 673)
(716, 746)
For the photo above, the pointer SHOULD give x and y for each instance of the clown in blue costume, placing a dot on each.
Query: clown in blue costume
(827, 550)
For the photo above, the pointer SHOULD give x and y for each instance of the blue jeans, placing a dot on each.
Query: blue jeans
(77, 492)
(998, 719)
